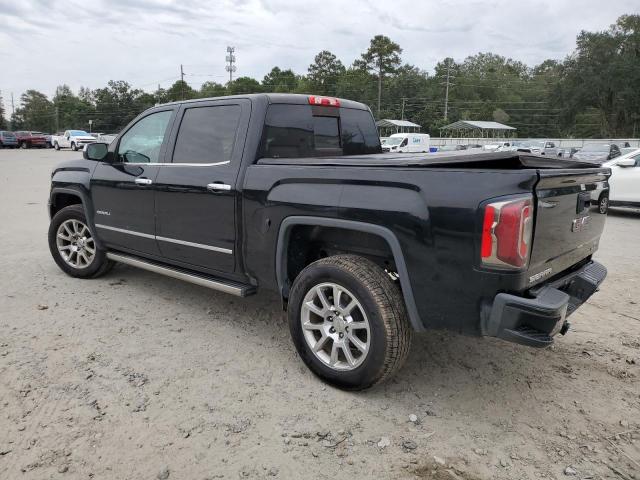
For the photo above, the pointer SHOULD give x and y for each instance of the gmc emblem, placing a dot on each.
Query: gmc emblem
(580, 224)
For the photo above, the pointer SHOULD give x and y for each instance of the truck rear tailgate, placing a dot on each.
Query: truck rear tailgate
(567, 226)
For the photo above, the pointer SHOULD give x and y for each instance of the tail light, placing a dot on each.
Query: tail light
(506, 233)
(324, 101)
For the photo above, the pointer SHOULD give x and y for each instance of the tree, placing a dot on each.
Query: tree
(212, 89)
(277, 80)
(71, 111)
(180, 90)
(35, 113)
(382, 57)
(242, 85)
(323, 73)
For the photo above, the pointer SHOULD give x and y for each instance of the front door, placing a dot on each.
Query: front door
(196, 188)
(123, 189)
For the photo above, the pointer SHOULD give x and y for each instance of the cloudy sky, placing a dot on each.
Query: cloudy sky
(44, 43)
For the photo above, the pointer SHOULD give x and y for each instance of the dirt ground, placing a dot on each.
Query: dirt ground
(138, 376)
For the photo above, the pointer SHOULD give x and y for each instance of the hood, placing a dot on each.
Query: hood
(84, 137)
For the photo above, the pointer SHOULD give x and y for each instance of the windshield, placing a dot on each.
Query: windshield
(595, 147)
(78, 133)
(394, 141)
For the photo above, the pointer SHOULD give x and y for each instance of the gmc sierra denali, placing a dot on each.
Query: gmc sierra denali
(292, 193)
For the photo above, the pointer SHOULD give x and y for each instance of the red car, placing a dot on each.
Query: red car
(30, 139)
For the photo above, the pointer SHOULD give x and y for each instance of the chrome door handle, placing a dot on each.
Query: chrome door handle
(218, 187)
(143, 181)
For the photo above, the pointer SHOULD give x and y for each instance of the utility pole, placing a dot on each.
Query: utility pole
(181, 82)
(446, 93)
(231, 59)
(13, 111)
(402, 112)
(57, 119)
(379, 83)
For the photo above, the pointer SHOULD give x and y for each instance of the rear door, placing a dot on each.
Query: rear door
(196, 199)
(567, 226)
(123, 190)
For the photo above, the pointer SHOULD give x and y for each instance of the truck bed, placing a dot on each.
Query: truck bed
(500, 160)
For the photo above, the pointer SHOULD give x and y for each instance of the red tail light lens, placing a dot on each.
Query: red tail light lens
(324, 101)
(506, 233)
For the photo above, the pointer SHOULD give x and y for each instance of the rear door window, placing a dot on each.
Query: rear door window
(298, 131)
(207, 134)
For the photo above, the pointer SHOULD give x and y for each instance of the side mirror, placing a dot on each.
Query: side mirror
(626, 162)
(95, 151)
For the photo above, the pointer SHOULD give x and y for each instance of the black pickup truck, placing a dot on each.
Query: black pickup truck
(292, 193)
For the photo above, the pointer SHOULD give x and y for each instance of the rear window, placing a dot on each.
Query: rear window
(298, 131)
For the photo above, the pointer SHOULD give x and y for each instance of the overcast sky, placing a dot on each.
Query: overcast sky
(44, 43)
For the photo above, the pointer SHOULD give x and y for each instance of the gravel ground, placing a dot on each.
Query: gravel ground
(138, 376)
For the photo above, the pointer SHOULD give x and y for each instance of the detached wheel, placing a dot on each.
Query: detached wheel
(73, 247)
(348, 322)
(603, 203)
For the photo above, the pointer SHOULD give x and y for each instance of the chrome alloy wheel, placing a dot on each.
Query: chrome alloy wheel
(335, 326)
(75, 243)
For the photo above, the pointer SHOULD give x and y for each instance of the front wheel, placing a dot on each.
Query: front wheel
(603, 203)
(73, 147)
(73, 247)
(348, 321)
(23, 145)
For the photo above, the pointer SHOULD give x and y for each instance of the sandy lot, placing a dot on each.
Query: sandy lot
(137, 376)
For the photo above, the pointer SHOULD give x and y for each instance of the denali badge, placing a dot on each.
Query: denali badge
(103, 212)
(580, 224)
(542, 274)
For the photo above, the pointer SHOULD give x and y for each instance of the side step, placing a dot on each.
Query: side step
(226, 286)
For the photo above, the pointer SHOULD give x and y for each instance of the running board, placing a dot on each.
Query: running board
(237, 289)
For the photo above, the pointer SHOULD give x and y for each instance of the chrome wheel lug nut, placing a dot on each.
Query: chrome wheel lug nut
(341, 335)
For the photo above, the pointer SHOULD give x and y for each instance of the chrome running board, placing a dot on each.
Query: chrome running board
(237, 289)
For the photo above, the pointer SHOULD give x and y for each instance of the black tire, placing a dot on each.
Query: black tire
(99, 265)
(73, 147)
(23, 145)
(603, 203)
(381, 300)
(56, 146)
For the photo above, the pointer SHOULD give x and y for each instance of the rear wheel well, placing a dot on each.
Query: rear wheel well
(308, 243)
(62, 200)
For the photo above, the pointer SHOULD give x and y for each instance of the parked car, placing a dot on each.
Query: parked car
(624, 183)
(499, 147)
(73, 139)
(538, 147)
(28, 139)
(106, 137)
(597, 152)
(8, 139)
(407, 142)
(47, 138)
(451, 148)
(291, 193)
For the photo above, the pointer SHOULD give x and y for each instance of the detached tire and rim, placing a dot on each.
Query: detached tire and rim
(73, 247)
(603, 203)
(348, 322)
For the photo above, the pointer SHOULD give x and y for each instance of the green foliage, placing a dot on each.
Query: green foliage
(594, 92)
(3, 120)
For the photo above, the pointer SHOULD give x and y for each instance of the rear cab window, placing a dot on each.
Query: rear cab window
(299, 131)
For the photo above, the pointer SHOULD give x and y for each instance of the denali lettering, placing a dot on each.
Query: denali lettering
(542, 274)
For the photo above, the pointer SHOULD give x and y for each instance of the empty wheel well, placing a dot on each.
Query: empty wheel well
(308, 243)
(62, 200)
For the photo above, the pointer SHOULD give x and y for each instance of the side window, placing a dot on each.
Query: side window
(207, 134)
(404, 142)
(551, 145)
(142, 142)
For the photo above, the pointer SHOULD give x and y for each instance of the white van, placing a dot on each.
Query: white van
(407, 142)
